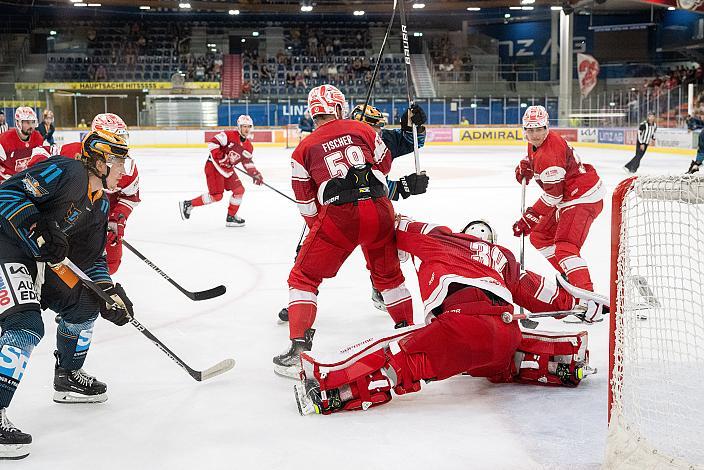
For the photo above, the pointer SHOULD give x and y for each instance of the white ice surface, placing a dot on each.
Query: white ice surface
(157, 417)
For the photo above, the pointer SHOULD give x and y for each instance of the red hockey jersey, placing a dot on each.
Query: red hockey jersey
(564, 178)
(70, 150)
(227, 150)
(448, 257)
(15, 153)
(328, 153)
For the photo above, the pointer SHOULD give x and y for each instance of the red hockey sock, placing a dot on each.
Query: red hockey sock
(300, 317)
(232, 209)
(581, 279)
(197, 201)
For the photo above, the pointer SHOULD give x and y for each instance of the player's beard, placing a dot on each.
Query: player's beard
(27, 133)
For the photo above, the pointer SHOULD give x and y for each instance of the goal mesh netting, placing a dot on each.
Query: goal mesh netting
(657, 324)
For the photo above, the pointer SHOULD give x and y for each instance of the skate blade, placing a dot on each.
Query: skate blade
(233, 224)
(73, 397)
(380, 307)
(180, 211)
(291, 372)
(14, 451)
(305, 404)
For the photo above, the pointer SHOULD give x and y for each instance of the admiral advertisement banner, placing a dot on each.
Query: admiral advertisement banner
(488, 136)
(589, 134)
(611, 136)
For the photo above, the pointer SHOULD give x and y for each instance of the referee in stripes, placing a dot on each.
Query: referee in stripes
(646, 136)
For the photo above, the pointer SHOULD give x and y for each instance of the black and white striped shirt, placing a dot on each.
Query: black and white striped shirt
(646, 132)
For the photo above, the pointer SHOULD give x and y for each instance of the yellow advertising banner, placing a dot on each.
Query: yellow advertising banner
(108, 86)
(17, 103)
(487, 135)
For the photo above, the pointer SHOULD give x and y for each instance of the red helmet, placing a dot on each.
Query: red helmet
(534, 117)
(24, 113)
(109, 122)
(245, 120)
(325, 99)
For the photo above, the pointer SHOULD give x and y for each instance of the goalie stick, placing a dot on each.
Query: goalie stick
(199, 375)
(197, 295)
(378, 61)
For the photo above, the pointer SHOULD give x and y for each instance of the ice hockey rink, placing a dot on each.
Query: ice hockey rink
(157, 417)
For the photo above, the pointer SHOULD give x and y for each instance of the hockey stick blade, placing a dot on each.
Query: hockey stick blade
(197, 295)
(219, 368)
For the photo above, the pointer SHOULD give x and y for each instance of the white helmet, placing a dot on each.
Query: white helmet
(24, 113)
(535, 117)
(109, 122)
(481, 229)
(245, 120)
(325, 99)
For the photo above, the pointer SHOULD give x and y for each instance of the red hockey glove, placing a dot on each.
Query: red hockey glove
(524, 170)
(256, 177)
(116, 228)
(526, 223)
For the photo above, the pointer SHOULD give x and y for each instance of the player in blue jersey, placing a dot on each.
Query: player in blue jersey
(53, 210)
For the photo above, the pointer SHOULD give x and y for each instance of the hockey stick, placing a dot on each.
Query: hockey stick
(409, 93)
(378, 61)
(525, 321)
(268, 186)
(217, 369)
(197, 295)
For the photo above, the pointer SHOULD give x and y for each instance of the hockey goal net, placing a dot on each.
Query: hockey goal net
(657, 324)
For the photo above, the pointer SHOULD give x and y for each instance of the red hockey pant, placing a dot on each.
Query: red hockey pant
(468, 336)
(217, 185)
(337, 231)
(560, 236)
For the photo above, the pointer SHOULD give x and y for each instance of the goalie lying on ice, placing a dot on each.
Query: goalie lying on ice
(468, 285)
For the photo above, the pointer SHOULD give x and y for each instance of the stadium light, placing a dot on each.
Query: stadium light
(524, 105)
(358, 13)
(233, 12)
(255, 33)
(80, 4)
(514, 8)
(52, 33)
(507, 15)
(306, 6)
(244, 40)
(417, 34)
(671, 8)
(418, 5)
(555, 8)
(76, 1)
(184, 6)
(95, 4)
(528, 8)
(473, 9)
(145, 7)
(527, 2)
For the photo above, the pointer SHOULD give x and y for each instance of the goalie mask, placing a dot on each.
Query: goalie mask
(101, 145)
(372, 116)
(480, 229)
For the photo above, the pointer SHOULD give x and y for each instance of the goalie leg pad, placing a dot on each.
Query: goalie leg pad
(552, 358)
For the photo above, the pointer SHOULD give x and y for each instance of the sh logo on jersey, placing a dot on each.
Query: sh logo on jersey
(13, 362)
(84, 339)
(72, 214)
(33, 187)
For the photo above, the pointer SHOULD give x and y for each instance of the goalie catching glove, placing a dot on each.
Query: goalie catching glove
(413, 184)
(120, 312)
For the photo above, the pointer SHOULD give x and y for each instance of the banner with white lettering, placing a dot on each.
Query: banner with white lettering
(588, 69)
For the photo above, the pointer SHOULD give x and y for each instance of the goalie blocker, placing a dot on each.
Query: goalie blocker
(363, 375)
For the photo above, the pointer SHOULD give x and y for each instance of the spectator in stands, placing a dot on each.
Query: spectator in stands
(101, 74)
(3, 123)
(464, 122)
(46, 127)
(246, 87)
(82, 124)
(300, 81)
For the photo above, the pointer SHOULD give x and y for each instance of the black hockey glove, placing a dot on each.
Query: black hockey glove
(413, 184)
(120, 313)
(52, 242)
(418, 117)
